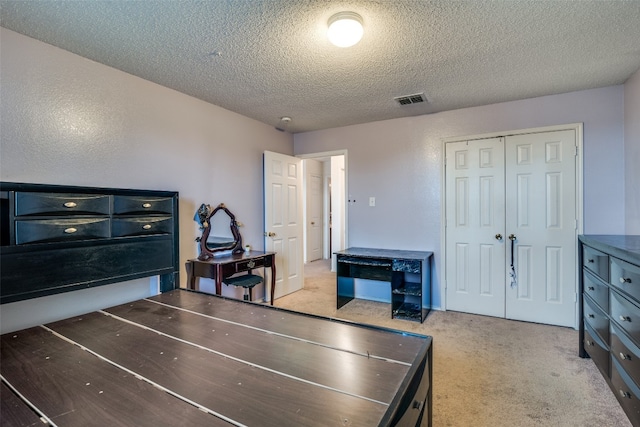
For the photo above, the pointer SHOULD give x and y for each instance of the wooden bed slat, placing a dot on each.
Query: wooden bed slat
(243, 393)
(376, 379)
(363, 340)
(74, 388)
(15, 412)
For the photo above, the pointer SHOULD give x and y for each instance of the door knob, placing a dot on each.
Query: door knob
(498, 236)
(512, 237)
(270, 234)
(313, 223)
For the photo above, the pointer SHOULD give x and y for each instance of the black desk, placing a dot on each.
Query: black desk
(408, 273)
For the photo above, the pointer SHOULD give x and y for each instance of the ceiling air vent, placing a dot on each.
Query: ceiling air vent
(416, 98)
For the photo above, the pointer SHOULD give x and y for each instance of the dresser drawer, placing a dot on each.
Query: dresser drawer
(596, 261)
(60, 230)
(123, 227)
(596, 349)
(596, 319)
(627, 353)
(596, 289)
(60, 204)
(132, 205)
(626, 391)
(626, 276)
(626, 315)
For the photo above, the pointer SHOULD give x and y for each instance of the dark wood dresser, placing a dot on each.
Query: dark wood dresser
(610, 313)
(60, 238)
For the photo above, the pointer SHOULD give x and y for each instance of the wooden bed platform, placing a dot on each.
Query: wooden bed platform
(184, 358)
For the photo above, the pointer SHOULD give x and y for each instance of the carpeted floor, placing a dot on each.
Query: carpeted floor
(487, 371)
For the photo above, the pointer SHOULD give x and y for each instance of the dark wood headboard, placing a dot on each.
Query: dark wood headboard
(64, 238)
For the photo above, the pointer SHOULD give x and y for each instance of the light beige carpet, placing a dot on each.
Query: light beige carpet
(487, 371)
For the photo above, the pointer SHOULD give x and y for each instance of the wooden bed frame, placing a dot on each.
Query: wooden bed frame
(188, 358)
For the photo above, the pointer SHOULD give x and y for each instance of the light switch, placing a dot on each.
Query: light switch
(372, 201)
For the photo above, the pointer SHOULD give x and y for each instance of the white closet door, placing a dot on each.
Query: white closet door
(283, 219)
(313, 196)
(525, 186)
(475, 257)
(541, 212)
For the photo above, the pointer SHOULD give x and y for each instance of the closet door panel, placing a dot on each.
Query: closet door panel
(541, 212)
(475, 269)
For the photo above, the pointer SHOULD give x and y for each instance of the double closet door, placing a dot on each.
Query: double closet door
(511, 227)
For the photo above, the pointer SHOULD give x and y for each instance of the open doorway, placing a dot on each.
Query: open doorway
(325, 209)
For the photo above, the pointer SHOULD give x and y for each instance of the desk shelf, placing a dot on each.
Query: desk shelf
(408, 288)
(407, 311)
(407, 272)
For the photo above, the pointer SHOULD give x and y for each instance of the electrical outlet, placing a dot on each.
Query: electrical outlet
(372, 201)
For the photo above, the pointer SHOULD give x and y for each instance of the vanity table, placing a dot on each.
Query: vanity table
(219, 268)
(221, 253)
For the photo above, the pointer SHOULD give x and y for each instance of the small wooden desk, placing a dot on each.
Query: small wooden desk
(220, 267)
(408, 274)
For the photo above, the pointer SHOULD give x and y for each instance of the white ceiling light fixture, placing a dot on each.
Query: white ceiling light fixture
(345, 29)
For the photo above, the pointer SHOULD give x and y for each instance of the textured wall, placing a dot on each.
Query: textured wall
(69, 120)
(400, 162)
(632, 153)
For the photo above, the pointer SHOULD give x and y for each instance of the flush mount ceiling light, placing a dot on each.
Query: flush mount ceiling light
(345, 29)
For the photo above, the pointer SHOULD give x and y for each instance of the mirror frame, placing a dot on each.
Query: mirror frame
(205, 213)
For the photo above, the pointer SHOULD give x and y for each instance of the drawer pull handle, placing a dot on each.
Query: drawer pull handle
(624, 356)
(70, 230)
(625, 318)
(591, 261)
(590, 343)
(146, 205)
(591, 316)
(70, 204)
(251, 264)
(417, 404)
(625, 280)
(591, 288)
(625, 394)
(146, 226)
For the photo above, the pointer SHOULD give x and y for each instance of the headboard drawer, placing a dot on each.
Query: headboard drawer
(61, 204)
(60, 230)
(130, 205)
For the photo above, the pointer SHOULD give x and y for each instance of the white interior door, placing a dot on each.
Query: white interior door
(475, 264)
(283, 217)
(541, 183)
(314, 214)
(524, 186)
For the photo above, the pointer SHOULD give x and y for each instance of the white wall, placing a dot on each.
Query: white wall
(67, 120)
(632, 153)
(400, 162)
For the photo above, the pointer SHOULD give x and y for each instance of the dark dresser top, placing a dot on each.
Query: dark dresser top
(624, 247)
(385, 253)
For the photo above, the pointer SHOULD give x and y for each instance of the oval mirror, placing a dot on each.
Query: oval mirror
(219, 231)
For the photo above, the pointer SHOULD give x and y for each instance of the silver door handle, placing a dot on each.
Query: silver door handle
(498, 236)
(270, 234)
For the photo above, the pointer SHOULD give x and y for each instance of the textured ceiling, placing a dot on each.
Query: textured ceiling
(270, 58)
